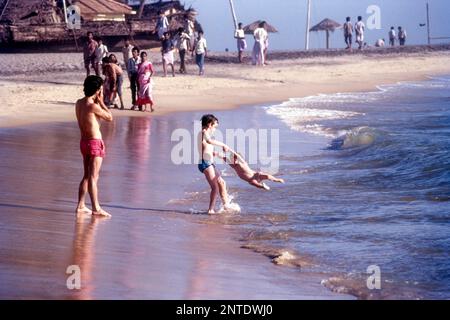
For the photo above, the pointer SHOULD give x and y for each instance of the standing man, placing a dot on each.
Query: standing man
(239, 35)
(184, 45)
(133, 68)
(401, 36)
(348, 33)
(190, 30)
(90, 110)
(259, 48)
(359, 29)
(89, 50)
(127, 51)
(392, 37)
(162, 26)
(167, 53)
(201, 51)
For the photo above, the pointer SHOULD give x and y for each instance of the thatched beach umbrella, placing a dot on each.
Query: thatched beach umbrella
(326, 25)
(250, 28)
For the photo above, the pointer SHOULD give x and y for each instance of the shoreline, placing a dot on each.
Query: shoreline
(226, 86)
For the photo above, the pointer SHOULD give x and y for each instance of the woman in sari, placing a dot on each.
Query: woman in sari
(145, 73)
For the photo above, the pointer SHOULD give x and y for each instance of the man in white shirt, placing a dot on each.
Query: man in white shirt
(359, 29)
(401, 36)
(162, 26)
(127, 53)
(392, 37)
(260, 36)
(200, 52)
(239, 35)
(100, 52)
(183, 45)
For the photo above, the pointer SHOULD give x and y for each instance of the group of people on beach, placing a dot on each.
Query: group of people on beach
(260, 47)
(138, 67)
(393, 37)
(186, 40)
(359, 30)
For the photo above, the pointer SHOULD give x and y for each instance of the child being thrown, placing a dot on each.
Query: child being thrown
(243, 170)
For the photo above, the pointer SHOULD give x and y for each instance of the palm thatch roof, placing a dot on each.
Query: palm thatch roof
(250, 28)
(326, 25)
(94, 7)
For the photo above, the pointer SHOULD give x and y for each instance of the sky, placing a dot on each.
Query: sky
(289, 17)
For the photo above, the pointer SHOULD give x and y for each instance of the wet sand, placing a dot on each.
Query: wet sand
(150, 248)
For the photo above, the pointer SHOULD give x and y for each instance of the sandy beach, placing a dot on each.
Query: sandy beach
(153, 247)
(49, 96)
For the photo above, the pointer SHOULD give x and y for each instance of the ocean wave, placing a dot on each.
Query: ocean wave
(353, 138)
(356, 285)
(305, 119)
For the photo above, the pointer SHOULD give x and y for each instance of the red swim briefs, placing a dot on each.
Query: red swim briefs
(92, 148)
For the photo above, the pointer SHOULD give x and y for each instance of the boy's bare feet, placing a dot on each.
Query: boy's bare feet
(101, 213)
(265, 186)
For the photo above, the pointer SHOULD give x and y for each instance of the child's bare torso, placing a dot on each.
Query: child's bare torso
(243, 171)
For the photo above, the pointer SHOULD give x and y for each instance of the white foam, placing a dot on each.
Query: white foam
(231, 207)
(305, 119)
(285, 257)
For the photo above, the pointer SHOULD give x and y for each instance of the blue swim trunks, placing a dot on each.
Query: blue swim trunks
(204, 165)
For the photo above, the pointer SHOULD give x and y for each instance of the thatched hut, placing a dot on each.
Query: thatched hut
(42, 22)
(250, 28)
(326, 25)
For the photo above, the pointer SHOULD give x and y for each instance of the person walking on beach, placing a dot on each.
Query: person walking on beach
(359, 30)
(260, 36)
(133, 68)
(207, 167)
(100, 52)
(117, 93)
(183, 45)
(201, 51)
(348, 33)
(89, 57)
(239, 35)
(190, 30)
(401, 36)
(162, 25)
(89, 111)
(127, 51)
(167, 53)
(392, 36)
(145, 73)
(108, 82)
